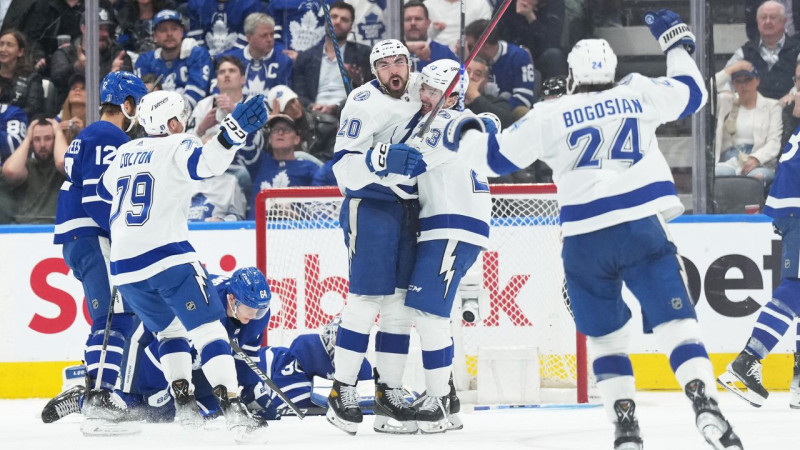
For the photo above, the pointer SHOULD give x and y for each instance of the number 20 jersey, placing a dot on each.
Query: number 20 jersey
(601, 146)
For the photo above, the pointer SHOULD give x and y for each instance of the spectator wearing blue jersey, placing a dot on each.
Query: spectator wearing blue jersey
(512, 75)
(184, 66)
(219, 25)
(423, 49)
(13, 124)
(31, 170)
(316, 76)
(278, 166)
(135, 29)
(299, 24)
(21, 85)
(265, 66)
(538, 26)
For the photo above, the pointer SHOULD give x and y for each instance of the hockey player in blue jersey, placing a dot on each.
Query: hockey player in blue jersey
(13, 124)
(615, 190)
(293, 368)
(378, 223)
(150, 184)
(82, 229)
(265, 65)
(182, 65)
(778, 315)
(219, 25)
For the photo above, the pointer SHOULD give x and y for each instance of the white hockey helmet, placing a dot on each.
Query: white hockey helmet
(591, 61)
(387, 47)
(439, 74)
(157, 108)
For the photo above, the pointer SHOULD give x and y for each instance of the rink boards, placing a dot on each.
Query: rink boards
(732, 265)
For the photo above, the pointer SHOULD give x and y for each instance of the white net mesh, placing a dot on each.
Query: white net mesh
(307, 267)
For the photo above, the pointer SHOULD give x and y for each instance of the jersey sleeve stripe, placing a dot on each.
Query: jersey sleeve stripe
(498, 163)
(74, 224)
(454, 221)
(103, 193)
(695, 95)
(192, 163)
(636, 197)
(91, 199)
(150, 257)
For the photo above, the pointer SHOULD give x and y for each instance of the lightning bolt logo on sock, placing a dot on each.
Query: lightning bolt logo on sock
(448, 260)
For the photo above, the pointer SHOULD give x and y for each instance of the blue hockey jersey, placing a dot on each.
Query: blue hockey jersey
(80, 211)
(265, 73)
(278, 174)
(220, 25)
(512, 74)
(438, 51)
(784, 195)
(299, 24)
(189, 74)
(13, 127)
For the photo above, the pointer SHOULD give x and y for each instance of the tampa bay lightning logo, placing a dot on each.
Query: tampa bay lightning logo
(361, 96)
(649, 18)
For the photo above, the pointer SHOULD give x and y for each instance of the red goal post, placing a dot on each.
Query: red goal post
(300, 247)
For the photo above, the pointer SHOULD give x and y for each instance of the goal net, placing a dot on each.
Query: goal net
(522, 315)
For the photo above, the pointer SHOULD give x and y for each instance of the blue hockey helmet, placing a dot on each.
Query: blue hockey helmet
(118, 86)
(328, 335)
(250, 288)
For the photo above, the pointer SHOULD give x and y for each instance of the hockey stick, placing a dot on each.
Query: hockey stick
(252, 365)
(485, 35)
(345, 79)
(104, 349)
(461, 51)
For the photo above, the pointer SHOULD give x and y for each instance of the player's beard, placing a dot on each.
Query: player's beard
(396, 86)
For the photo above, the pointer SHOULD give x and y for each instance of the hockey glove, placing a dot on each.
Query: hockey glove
(490, 122)
(670, 31)
(384, 159)
(460, 125)
(247, 117)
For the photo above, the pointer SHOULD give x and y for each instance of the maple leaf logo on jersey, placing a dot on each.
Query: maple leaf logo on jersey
(256, 86)
(281, 180)
(306, 33)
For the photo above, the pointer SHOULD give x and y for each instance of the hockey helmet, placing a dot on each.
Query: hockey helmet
(386, 48)
(439, 74)
(554, 86)
(328, 335)
(157, 108)
(250, 288)
(591, 61)
(118, 86)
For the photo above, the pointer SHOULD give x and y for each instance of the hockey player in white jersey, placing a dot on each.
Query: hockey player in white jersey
(149, 185)
(378, 224)
(615, 190)
(455, 211)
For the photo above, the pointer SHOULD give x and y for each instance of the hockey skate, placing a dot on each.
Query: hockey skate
(106, 414)
(794, 388)
(343, 410)
(746, 369)
(710, 421)
(433, 413)
(187, 413)
(626, 434)
(246, 428)
(454, 420)
(391, 404)
(63, 404)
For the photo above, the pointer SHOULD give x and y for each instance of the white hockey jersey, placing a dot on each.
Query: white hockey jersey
(601, 146)
(455, 202)
(369, 116)
(150, 184)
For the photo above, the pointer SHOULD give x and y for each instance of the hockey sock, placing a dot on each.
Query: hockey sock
(121, 325)
(437, 351)
(681, 342)
(773, 320)
(392, 341)
(612, 368)
(352, 339)
(211, 342)
(176, 361)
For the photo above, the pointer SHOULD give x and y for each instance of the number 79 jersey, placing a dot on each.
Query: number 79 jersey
(601, 146)
(80, 212)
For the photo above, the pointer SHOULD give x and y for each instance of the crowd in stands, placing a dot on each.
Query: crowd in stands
(217, 52)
